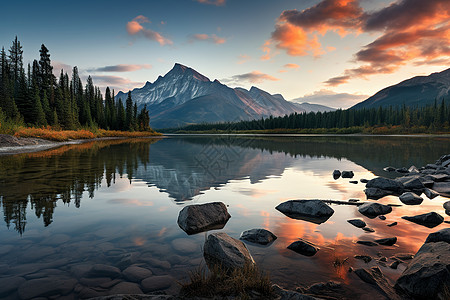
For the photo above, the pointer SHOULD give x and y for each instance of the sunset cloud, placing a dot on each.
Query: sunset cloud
(115, 82)
(212, 2)
(121, 68)
(291, 66)
(207, 38)
(253, 77)
(243, 58)
(135, 28)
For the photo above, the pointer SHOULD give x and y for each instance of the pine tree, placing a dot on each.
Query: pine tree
(46, 71)
(129, 112)
(38, 116)
(16, 61)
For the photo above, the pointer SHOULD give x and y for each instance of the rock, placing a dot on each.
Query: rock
(383, 259)
(303, 247)
(353, 200)
(413, 169)
(402, 170)
(367, 243)
(437, 177)
(429, 220)
(427, 183)
(10, 284)
(315, 211)
(220, 248)
(443, 188)
(136, 274)
(375, 277)
(428, 273)
(413, 183)
(185, 245)
(357, 223)
(394, 264)
(392, 224)
(87, 293)
(431, 166)
(444, 160)
(410, 198)
(431, 194)
(442, 235)
(258, 236)
(387, 241)
(202, 217)
(365, 258)
(389, 169)
(336, 174)
(327, 290)
(375, 193)
(100, 270)
(289, 295)
(368, 229)
(385, 184)
(404, 256)
(126, 288)
(353, 181)
(446, 206)
(347, 174)
(373, 210)
(382, 217)
(45, 287)
(156, 283)
(363, 180)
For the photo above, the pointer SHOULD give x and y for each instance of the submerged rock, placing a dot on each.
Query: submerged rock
(315, 211)
(357, 223)
(258, 236)
(373, 210)
(45, 287)
(368, 229)
(387, 241)
(428, 273)
(429, 220)
(136, 273)
(364, 258)
(303, 247)
(443, 188)
(363, 180)
(222, 249)
(202, 217)
(410, 198)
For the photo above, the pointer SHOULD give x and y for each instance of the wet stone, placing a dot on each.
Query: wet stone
(347, 174)
(136, 274)
(431, 194)
(394, 264)
(10, 284)
(45, 287)
(392, 224)
(357, 223)
(185, 245)
(382, 217)
(100, 270)
(156, 283)
(364, 258)
(429, 220)
(410, 198)
(303, 247)
(368, 229)
(336, 174)
(367, 243)
(258, 235)
(126, 288)
(387, 241)
(38, 253)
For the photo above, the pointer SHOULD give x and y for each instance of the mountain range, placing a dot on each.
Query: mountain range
(416, 91)
(183, 96)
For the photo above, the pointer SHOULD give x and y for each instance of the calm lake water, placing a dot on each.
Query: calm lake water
(116, 203)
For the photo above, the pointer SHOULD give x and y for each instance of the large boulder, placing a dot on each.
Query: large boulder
(202, 217)
(410, 198)
(303, 247)
(412, 183)
(428, 273)
(373, 210)
(222, 249)
(375, 277)
(258, 236)
(429, 220)
(315, 211)
(375, 193)
(431, 194)
(443, 188)
(386, 184)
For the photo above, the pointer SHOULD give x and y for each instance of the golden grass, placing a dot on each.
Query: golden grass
(243, 283)
(49, 133)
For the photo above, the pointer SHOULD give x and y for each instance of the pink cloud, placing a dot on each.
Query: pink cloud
(212, 2)
(207, 38)
(135, 28)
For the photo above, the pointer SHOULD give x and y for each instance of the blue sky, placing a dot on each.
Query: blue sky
(308, 48)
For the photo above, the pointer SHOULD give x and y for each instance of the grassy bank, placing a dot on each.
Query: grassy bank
(52, 134)
(385, 130)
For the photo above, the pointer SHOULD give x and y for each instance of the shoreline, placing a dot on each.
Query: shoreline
(10, 145)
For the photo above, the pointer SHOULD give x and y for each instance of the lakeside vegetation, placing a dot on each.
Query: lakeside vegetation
(382, 120)
(36, 103)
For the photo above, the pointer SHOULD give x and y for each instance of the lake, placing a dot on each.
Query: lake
(115, 203)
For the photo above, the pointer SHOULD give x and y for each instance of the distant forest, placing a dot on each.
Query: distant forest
(432, 118)
(37, 98)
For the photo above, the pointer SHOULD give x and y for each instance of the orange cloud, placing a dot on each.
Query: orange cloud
(208, 38)
(291, 66)
(212, 2)
(121, 68)
(134, 28)
(253, 77)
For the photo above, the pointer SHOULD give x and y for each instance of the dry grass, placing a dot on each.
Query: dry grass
(49, 133)
(243, 283)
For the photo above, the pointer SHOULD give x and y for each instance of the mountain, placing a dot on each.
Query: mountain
(183, 96)
(310, 107)
(416, 91)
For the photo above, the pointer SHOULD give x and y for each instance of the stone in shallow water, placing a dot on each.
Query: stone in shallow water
(45, 287)
(373, 210)
(347, 174)
(375, 193)
(10, 284)
(258, 236)
(442, 235)
(429, 220)
(303, 247)
(202, 217)
(37, 253)
(431, 194)
(185, 245)
(392, 224)
(364, 258)
(136, 274)
(336, 174)
(99, 270)
(156, 283)
(126, 288)
(367, 243)
(357, 223)
(387, 241)
(315, 211)
(385, 184)
(410, 198)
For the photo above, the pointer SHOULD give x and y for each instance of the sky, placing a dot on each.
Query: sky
(330, 52)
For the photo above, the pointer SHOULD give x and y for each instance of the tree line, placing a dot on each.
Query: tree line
(432, 118)
(38, 98)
